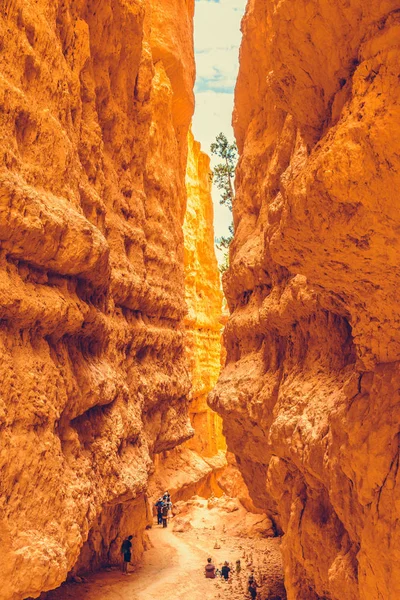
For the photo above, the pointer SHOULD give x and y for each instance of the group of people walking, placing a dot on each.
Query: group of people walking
(163, 506)
(211, 572)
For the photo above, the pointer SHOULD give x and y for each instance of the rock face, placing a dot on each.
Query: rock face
(193, 467)
(204, 301)
(310, 390)
(96, 100)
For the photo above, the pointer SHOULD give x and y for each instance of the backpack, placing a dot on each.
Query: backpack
(165, 510)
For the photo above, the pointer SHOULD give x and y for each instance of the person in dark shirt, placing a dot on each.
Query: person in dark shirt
(225, 571)
(253, 590)
(167, 500)
(159, 505)
(126, 551)
(210, 569)
(165, 510)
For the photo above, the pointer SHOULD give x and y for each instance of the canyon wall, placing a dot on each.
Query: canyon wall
(95, 105)
(310, 390)
(193, 468)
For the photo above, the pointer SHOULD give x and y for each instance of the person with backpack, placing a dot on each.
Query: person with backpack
(126, 551)
(209, 569)
(167, 500)
(252, 588)
(225, 570)
(159, 505)
(165, 509)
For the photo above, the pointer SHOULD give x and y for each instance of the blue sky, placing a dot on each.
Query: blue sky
(217, 41)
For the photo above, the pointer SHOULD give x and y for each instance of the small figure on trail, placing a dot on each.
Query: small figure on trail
(238, 567)
(210, 569)
(159, 505)
(253, 590)
(225, 571)
(165, 510)
(126, 551)
(218, 573)
(167, 500)
(252, 587)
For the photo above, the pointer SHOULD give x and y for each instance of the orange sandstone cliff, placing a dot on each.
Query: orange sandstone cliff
(310, 390)
(95, 105)
(193, 467)
(204, 300)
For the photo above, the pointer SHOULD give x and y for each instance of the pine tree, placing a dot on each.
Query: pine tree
(223, 176)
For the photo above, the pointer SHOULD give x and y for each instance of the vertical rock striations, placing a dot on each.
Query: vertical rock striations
(192, 468)
(95, 105)
(310, 389)
(204, 300)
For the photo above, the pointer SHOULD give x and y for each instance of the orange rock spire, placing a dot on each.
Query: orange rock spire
(192, 468)
(204, 300)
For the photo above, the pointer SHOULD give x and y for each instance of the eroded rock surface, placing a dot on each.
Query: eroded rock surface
(193, 467)
(95, 105)
(310, 387)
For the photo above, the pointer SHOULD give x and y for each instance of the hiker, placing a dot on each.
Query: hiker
(225, 571)
(253, 590)
(209, 569)
(238, 567)
(126, 551)
(159, 505)
(165, 509)
(167, 500)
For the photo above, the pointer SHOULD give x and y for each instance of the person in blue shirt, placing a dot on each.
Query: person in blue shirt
(159, 505)
(225, 571)
(126, 551)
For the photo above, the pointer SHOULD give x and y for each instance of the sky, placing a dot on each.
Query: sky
(217, 41)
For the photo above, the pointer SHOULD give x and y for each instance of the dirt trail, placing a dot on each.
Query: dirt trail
(173, 569)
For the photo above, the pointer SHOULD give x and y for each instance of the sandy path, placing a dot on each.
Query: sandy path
(171, 570)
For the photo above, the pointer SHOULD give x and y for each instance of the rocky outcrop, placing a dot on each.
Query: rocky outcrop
(310, 388)
(96, 100)
(193, 467)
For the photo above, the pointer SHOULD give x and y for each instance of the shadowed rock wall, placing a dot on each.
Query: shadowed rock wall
(95, 104)
(310, 390)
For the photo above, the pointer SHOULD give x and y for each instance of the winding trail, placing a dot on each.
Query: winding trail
(170, 571)
(173, 568)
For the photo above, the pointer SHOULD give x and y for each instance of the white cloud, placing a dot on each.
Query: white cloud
(213, 114)
(217, 69)
(217, 38)
(217, 24)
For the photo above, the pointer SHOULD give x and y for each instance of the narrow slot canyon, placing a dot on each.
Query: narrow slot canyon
(261, 390)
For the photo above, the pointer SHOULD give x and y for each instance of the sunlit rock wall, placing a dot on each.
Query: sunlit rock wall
(95, 105)
(310, 391)
(193, 467)
(204, 299)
